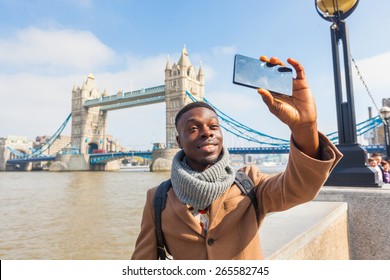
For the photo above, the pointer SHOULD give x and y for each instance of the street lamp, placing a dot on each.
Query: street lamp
(352, 169)
(341, 9)
(385, 115)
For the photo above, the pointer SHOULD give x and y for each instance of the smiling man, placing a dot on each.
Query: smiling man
(200, 135)
(207, 216)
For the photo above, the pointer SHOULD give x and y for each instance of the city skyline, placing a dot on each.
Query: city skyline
(46, 49)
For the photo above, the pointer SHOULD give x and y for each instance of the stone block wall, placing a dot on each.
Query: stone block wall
(368, 219)
(311, 231)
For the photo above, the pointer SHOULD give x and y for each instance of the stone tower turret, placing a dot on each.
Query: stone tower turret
(179, 78)
(88, 125)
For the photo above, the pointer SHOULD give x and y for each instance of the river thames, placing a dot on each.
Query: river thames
(73, 215)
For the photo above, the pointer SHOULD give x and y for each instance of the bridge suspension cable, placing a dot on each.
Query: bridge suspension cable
(364, 84)
(244, 132)
(361, 128)
(44, 147)
(368, 125)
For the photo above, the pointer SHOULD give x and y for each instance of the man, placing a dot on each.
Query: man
(206, 214)
(385, 171)
(378, 168)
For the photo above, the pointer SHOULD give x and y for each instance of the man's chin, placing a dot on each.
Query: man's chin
(211, 160)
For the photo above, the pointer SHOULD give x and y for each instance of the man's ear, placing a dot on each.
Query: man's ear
(178, 141)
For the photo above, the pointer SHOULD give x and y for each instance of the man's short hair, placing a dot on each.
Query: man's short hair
(376, 155)
(191, 106)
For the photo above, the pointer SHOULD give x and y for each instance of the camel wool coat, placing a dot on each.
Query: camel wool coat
(233, 232)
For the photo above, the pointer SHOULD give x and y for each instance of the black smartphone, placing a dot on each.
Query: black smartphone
(253, 73)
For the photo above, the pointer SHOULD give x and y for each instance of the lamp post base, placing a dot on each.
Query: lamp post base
(351, 170)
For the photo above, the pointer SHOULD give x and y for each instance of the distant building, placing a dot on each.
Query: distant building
(113, 145)
(18, 143)
(60, 143)
(376, 136)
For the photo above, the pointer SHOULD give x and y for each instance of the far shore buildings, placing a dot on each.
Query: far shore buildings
(377, 135)
(22, 144)
(25, 146)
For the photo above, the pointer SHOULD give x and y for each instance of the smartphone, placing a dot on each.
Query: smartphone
(253, 73)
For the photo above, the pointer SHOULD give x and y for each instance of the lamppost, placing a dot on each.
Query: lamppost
(352, 169)
(385, 115)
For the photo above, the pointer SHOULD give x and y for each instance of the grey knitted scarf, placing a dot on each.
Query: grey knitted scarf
(200, 189)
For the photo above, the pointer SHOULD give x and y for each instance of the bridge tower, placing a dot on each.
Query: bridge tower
(88, 124)
(179, 78)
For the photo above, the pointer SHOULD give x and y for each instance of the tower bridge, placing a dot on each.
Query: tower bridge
(183, 84)
(90, 109)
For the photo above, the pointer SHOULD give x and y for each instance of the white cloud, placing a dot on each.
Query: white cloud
(35, 105)
(38, 101)
(51, 51)
(224, 50)
(375, 72)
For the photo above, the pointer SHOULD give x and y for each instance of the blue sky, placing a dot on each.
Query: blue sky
(48, 46)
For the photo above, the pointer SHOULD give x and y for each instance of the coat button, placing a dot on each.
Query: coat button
(210, 242)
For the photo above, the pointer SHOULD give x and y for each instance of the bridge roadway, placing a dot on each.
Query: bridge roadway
(103, 158)
(128, 99)
(32, 159)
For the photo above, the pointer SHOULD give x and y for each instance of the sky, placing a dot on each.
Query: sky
(47, 47)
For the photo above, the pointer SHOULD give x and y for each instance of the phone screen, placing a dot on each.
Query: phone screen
(253, 73)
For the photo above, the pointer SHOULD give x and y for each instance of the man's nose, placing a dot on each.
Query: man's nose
(207, 132)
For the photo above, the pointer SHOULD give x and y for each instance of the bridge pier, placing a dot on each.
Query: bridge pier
(108, 166)
(80, 162)
(69, 162)
(19, 167)
(162, 159)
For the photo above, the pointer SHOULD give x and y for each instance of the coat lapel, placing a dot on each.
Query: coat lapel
(182, 212)
(216, 210)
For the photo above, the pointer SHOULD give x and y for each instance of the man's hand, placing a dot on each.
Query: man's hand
(297, 111)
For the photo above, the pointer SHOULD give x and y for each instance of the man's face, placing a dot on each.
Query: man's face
(200, 136)
(378, 160)
(373, 163)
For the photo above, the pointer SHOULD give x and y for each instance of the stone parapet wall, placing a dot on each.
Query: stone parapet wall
(368, 219)
(311, 231)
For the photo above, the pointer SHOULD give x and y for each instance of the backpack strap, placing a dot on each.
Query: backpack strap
(246, 185)
(159, 201)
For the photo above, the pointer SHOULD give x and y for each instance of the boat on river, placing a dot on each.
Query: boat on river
(140, 168)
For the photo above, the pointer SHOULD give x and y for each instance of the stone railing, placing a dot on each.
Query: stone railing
(311, 231)
(368, 219)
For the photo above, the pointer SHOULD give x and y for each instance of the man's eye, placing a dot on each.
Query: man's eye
(214, 126)
(192, 128)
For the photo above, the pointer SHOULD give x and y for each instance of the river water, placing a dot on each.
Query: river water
(73, 215)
